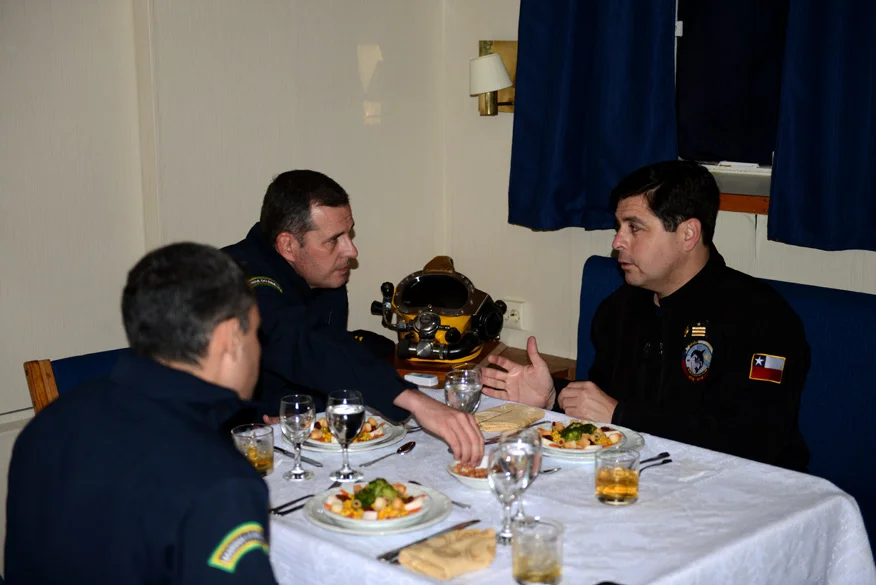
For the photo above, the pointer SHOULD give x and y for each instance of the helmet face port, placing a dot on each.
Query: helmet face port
(440, 315)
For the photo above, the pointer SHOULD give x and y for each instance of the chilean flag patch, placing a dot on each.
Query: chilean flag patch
(768, 368)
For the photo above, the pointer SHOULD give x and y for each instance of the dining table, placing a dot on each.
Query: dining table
(705, 518)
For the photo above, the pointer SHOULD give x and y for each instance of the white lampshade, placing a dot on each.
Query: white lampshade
(487, 74)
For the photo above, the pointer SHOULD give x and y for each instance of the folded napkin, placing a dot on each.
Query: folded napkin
(452, 554)
(507, 417)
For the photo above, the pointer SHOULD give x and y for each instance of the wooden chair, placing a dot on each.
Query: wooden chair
(46, 379)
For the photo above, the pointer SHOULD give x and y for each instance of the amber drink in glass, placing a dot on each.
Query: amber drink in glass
(256, 442)
(617, 476)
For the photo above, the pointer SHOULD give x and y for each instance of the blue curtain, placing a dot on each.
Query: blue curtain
(824, 178)
(595, 100)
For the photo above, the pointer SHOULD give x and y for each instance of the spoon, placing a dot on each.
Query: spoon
(664, 462)
(406, 448)
(549, 471)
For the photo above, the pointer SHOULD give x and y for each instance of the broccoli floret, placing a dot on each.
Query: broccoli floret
(572, 432)
(388, 492)
(576, 430)
(366, 496)
(383, 489)
(379, 488)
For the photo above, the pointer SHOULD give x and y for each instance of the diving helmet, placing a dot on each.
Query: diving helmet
(439, 314)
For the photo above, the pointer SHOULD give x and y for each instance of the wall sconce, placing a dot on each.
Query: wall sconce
(489, 76)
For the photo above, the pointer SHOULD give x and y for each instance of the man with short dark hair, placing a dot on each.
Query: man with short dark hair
(688, 349)
(298, 260)
(134, 478)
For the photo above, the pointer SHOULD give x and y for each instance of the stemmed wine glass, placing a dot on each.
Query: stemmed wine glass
(528, 440)
(509, 466)
(462, 389)
(296, 419)
(345, 413)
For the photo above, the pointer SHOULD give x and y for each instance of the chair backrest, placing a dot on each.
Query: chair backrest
(47, 379)
(839, 394)
(837, 402)
(600, 278)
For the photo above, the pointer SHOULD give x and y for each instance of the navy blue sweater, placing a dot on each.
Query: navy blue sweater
(134, 479)
(305, 344)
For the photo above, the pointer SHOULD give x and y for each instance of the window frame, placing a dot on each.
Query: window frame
(744, 187)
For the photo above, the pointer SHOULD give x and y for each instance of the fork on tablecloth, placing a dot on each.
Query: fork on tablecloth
(280, 511)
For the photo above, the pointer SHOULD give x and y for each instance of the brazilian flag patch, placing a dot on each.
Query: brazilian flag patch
(264, 281)
(234, 546)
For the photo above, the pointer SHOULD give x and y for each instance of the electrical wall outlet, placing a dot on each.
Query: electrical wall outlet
(517, 315)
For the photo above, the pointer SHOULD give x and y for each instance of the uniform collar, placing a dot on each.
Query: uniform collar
(213, 404)
(277, 263)
(693, 292)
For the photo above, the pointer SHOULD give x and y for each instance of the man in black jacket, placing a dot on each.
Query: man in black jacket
(688, 349)
(134, 478)
(298, 262)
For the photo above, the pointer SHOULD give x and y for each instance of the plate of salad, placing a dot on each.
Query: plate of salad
(377, 507)
(577, 439)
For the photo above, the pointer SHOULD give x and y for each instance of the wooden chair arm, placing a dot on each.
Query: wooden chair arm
(40, 383)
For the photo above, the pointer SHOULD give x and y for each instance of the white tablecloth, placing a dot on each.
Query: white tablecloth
(707, 518)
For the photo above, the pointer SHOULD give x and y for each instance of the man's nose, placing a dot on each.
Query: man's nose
(351, 250)
(618, 242)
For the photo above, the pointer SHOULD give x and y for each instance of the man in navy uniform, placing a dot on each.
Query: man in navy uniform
(688, 349)
(134, 478)
(298, 259)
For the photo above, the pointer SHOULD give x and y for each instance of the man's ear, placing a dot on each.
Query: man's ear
(219, 349)
(224, 339)
(288, 247)
(691, 232)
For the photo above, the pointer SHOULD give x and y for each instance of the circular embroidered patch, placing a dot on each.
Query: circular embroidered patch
(697, 359)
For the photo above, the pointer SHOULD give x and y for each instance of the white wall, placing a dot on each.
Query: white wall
(71, 221)
(8, 433)
(246, 90)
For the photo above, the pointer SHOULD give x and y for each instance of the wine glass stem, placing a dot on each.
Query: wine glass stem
(297, 467)
(520, 515)
(506, 521)
(346, 467)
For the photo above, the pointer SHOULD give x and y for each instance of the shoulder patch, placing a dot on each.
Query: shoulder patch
(768, 368)
(234, 546)
(264, 281)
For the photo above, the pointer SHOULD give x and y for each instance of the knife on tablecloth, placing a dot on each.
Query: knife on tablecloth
(307, 460)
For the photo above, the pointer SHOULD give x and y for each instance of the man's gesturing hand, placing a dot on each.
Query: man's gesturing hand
(530, 385)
